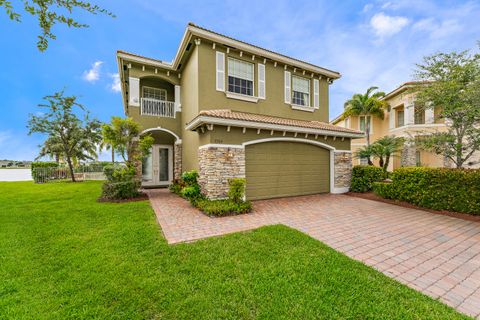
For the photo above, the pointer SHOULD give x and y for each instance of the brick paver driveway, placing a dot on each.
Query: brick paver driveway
(435, 254)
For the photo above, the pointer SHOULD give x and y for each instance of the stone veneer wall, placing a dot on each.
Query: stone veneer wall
(408, 156)
(342, 169)
(216, 166)
(177, 161)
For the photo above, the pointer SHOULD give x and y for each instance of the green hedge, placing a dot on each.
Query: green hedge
(435, 188)
(363, 178)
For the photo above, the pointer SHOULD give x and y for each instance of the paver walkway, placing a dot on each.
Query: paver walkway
(435, 254)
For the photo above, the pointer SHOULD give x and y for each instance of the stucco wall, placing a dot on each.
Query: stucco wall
(274, 103)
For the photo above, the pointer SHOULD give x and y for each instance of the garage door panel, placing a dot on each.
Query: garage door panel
(278, 169)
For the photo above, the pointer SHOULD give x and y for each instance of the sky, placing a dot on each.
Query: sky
(371, 43)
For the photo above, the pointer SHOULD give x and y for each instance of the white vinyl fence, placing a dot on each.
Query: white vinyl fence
(47, 174)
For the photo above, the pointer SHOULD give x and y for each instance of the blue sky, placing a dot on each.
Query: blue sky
(373, 42)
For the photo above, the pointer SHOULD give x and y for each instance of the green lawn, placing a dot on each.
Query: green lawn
(63, 255)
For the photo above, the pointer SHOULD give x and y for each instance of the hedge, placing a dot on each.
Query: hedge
(363, 177)
(435, 188)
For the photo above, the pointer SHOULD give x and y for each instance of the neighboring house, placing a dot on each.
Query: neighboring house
(402, 119)
(231, 109)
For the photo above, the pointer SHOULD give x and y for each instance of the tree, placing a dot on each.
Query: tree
(51, 12)
(69, 137)
(451, 82)
(123, 136)
(367, 104)
(382, 149)
(107, 146)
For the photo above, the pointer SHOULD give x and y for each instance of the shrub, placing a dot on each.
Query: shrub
(176, 186)
(191, 192)
(190, 177)
(363, 177)
(383, 189)
(236, 190)
(223, 207)
(121, 190)
(121, 183)
(435, 188)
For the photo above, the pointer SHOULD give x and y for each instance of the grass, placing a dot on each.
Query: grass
(65, 256)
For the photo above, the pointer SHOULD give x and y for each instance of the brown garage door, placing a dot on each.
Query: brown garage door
(281, 169)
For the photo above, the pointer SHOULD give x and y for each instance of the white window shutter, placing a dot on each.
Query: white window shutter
(288, 87)
(220, 71)
(261, 81)
(178, 102)
(391, 118)
(316, 93)
(134, 92)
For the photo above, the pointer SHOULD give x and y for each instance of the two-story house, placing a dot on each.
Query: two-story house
(404, 118)
(231, 109)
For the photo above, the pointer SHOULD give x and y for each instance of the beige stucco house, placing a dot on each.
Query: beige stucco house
(402, 119)
(231, 109)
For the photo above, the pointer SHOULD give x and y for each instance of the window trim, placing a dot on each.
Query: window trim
(371, 123)
(299, 106)
(228, 75)
(160, 89)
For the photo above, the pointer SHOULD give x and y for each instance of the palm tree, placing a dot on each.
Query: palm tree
(382, 149)
(367, 104)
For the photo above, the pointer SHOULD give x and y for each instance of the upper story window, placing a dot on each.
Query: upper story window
(363, 120)
(155, 93)
(400, 118)
(240, 77)
(419, 114)
(300, 91)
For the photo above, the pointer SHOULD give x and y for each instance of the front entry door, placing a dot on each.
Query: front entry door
(157, 167)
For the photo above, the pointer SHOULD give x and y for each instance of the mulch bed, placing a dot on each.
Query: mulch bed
(374, 197)
(141, 197)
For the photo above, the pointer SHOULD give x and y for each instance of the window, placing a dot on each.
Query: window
(419, 116)
(400, 118)
(240, 77)
(362, 124)
(155, 93)
(301, 91)
(418, 159)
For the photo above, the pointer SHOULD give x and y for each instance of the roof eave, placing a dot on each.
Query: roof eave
(201, 120)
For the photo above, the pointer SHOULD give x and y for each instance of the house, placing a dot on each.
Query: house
(231, 109)
(404, 119)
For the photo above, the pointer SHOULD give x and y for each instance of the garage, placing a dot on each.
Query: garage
(284, 168)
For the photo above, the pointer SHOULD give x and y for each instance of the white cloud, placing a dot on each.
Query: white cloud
(93, 74)
(367, 7)
(115, 85)
(438, 29)
(385, 25)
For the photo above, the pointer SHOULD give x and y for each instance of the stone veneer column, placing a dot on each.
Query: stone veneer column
(177, 160)
(216, 166)
(409, 155)
(342, 171)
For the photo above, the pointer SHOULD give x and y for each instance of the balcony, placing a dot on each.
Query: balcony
(158, 108)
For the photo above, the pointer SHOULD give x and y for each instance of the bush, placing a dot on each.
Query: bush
(176, 187)
(435, 188)
(43, 171)
(363, 178)
(236, 190)
(121, 190)
(190, 177)
(223, 207)
(191, 192)
(121, 183)
(383, 189)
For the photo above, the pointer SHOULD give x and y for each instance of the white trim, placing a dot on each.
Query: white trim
(320, 144)
(238, 96)
(177, 138)
(220, 145)
(417, 126)
(256, 125)
(302, 108)
(287, 86)
(316, 93)
(154, 181)
(134, 92)
(343, 151)
(261, 81)
(359, 144)
(220, 71)
(309, 92)
(340, 190)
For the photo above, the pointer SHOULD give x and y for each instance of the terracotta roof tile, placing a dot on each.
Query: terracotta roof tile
(245, 116)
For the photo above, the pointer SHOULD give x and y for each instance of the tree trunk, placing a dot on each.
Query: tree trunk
(113, 155)
(380, 162)
(367, 132)
(70, 166)
(387, 162)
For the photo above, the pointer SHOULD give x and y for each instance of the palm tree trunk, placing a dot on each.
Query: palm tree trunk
(70, 167)
(113, 155)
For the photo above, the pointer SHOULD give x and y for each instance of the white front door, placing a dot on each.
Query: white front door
(157, 167)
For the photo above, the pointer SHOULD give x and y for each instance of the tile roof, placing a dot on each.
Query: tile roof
(253, 117)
